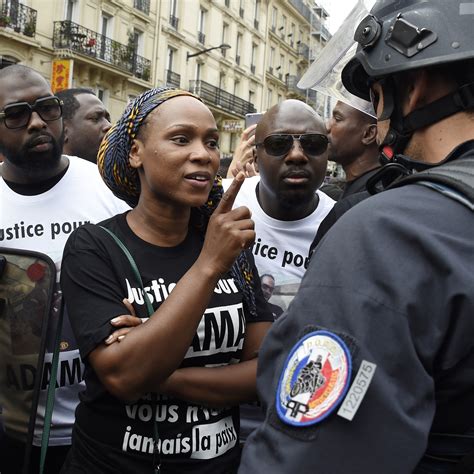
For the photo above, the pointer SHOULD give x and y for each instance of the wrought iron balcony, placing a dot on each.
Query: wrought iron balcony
(214, 96)
(201, 37)
(321, 32)
(70, 35)
(303, 50)
(174, 21)
(19, 17)
(142, 5)
(173, 79)
(291, 81)
(302, 8)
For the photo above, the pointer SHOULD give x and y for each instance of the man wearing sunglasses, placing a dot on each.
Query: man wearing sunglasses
(287, 207)
(290, 154)
(388, 298)
(44, 196)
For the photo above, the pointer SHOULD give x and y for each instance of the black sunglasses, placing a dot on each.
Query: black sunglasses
(279, 144)
(18, 115)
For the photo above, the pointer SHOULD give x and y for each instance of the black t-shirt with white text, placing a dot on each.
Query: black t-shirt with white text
(118, 437)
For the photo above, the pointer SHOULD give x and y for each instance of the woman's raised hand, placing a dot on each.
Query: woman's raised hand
(229, 231)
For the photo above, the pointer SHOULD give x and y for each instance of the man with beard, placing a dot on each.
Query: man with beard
(86, 121)
(44, 196)
(291, 156)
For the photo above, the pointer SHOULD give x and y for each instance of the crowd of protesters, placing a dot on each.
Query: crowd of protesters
(252, 324)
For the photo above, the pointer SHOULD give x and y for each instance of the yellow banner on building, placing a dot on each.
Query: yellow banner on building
(62, 74)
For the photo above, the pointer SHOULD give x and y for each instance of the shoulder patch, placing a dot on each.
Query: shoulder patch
(314, 380)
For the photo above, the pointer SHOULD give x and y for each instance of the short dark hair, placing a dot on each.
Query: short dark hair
(70, 103)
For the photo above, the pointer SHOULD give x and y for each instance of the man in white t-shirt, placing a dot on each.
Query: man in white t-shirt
(291, 156)
(44, 196)
(284, 199)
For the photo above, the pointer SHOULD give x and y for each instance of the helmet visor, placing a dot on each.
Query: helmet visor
(324, 75)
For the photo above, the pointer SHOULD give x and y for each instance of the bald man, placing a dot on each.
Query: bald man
(291, 156)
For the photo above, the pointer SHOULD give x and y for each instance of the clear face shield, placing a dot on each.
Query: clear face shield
(324, 75)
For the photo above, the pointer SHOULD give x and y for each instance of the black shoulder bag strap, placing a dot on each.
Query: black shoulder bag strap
(149, 307)
(454, 179)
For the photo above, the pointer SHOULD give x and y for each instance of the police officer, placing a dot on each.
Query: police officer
(389, 314)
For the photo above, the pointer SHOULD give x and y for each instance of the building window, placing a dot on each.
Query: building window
(225, 30)
(282, 28)
(221, 80)
(241, 9)
(198, 71)
(251, 96)
(269, 98)
(236, 88)
(142, 5)
(202, 26)
(274, 19)
(103, 95)
(237, 48)
(170, 58)
(174, 14)
(256, 14)
(253, 57)
(138, 46)
(291, 35)
(70, 10)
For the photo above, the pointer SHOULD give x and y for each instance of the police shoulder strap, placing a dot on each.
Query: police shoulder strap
(454, 179)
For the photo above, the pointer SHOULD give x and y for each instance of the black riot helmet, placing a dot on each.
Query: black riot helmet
(405, 35)
(402, 35)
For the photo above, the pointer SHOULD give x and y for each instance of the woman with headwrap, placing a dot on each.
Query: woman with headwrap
(165, 398)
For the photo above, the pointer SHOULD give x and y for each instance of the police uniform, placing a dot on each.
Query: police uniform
(391, 286)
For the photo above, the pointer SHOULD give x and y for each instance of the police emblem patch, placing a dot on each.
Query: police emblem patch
(314, 380)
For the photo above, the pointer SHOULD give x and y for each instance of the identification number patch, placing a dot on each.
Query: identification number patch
(357, 392)
(314, 380)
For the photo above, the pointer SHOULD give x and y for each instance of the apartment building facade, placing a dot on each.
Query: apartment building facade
(240, 56)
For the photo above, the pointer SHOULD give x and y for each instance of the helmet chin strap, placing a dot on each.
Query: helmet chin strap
(402, 128)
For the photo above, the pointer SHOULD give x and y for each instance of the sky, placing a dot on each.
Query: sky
(338, 10)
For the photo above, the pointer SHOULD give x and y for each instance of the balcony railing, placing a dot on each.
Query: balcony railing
(291, 82)
(322, 32)
(302, 8)
(174, 21)
(70, 35)
(201, 37)
(212, 95)
(303, 50)
(142, 5)
(173, 79)
(19, 17)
